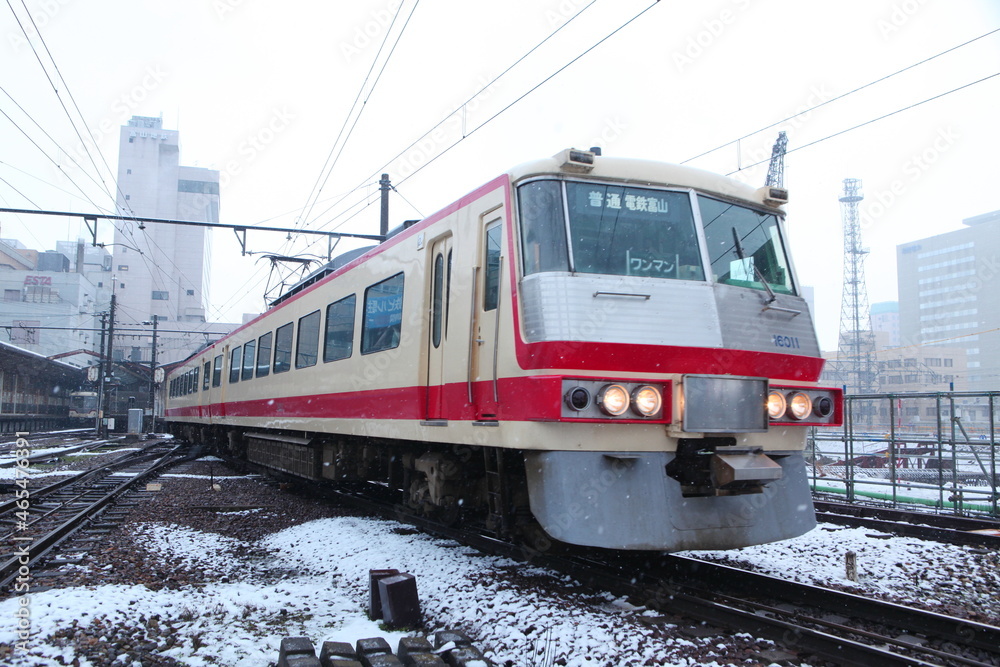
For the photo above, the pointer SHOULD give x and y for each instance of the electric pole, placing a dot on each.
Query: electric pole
(384, 186)
(152, 379)
(100, 378)
(109, 368)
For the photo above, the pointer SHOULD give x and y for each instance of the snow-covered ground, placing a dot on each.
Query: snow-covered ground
(225, 597)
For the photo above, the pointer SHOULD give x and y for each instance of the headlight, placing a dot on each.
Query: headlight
(613, 399)
(646, 400)
(776, 405)
(799, 405)
(578, 398)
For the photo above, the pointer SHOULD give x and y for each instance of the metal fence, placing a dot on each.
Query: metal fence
(928, 450)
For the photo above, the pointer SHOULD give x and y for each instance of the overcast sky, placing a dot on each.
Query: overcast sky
(261, 90)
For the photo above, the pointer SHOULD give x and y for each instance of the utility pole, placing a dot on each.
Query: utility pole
(105, 384)
(152, 380)
(384, 186)
(100, 376)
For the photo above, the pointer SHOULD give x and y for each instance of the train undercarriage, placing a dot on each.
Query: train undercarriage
(450, 484)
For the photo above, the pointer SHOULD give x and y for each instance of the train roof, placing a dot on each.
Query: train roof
(644, 172)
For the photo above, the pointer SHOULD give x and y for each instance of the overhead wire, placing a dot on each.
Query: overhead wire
(842, 96)
(479, 92)
(331, 160)
(55, 88)
(869, 122)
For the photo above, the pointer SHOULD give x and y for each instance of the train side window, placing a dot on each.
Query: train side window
(234, 365)
(338, 342)
(447, 295)
(307, 348)
(194, 380)
(248, 360)
(264, 355)
(383, 319)
(207, 373)
(491, 290)
(437, 300)
(217, 372)
(283, 348)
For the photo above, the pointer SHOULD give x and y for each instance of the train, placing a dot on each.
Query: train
(586, 350)
(83, 407)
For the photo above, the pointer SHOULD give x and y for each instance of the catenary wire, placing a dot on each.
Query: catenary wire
(331, 160)
(842, 96)
(869, 122)
(463, 104)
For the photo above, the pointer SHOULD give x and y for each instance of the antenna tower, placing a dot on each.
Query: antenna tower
(858, 367)
(776, 170)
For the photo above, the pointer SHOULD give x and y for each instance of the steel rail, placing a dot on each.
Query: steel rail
(40, 548)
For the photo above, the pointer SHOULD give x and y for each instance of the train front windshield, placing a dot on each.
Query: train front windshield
(631, 231)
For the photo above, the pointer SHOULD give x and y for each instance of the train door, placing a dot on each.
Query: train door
(484, 391)
(440, 297)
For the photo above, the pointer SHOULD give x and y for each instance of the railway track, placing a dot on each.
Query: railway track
(53, 445)
(36, 522)
(950, 529)
(812, 621)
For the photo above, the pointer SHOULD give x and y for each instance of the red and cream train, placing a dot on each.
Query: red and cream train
(613, 350)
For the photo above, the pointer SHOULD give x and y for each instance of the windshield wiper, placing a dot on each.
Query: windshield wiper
(771, 296)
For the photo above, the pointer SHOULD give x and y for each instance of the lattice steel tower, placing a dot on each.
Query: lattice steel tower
(857, 365)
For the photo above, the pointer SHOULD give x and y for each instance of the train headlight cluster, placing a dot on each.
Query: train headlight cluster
(799, 406)
(776, 405)
(811, 406)
(600, 399)
(613, 399)
(646, 400)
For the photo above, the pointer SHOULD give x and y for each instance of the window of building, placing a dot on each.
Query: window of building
(11, 295)
(912, 412)
(128, 197)
(895, 363)
(383, 319)
(234, 365)
(894, 379)
(307, 348)
(121, 285)
(248, 360)
(190, 292)
(161, 296)
(933, 362)
(217, 372)
(910, 363)
(283, 348)
(949, 363)
(339, 340)
(123, 267)
(931, 411)
(264, 355)
(128, 171)
(911, 378)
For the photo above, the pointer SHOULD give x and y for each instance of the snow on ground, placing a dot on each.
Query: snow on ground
(312, 580)
(902, 568)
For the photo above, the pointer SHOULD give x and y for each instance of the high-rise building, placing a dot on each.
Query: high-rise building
(162, 269)
(885, 324)
(948, 296)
